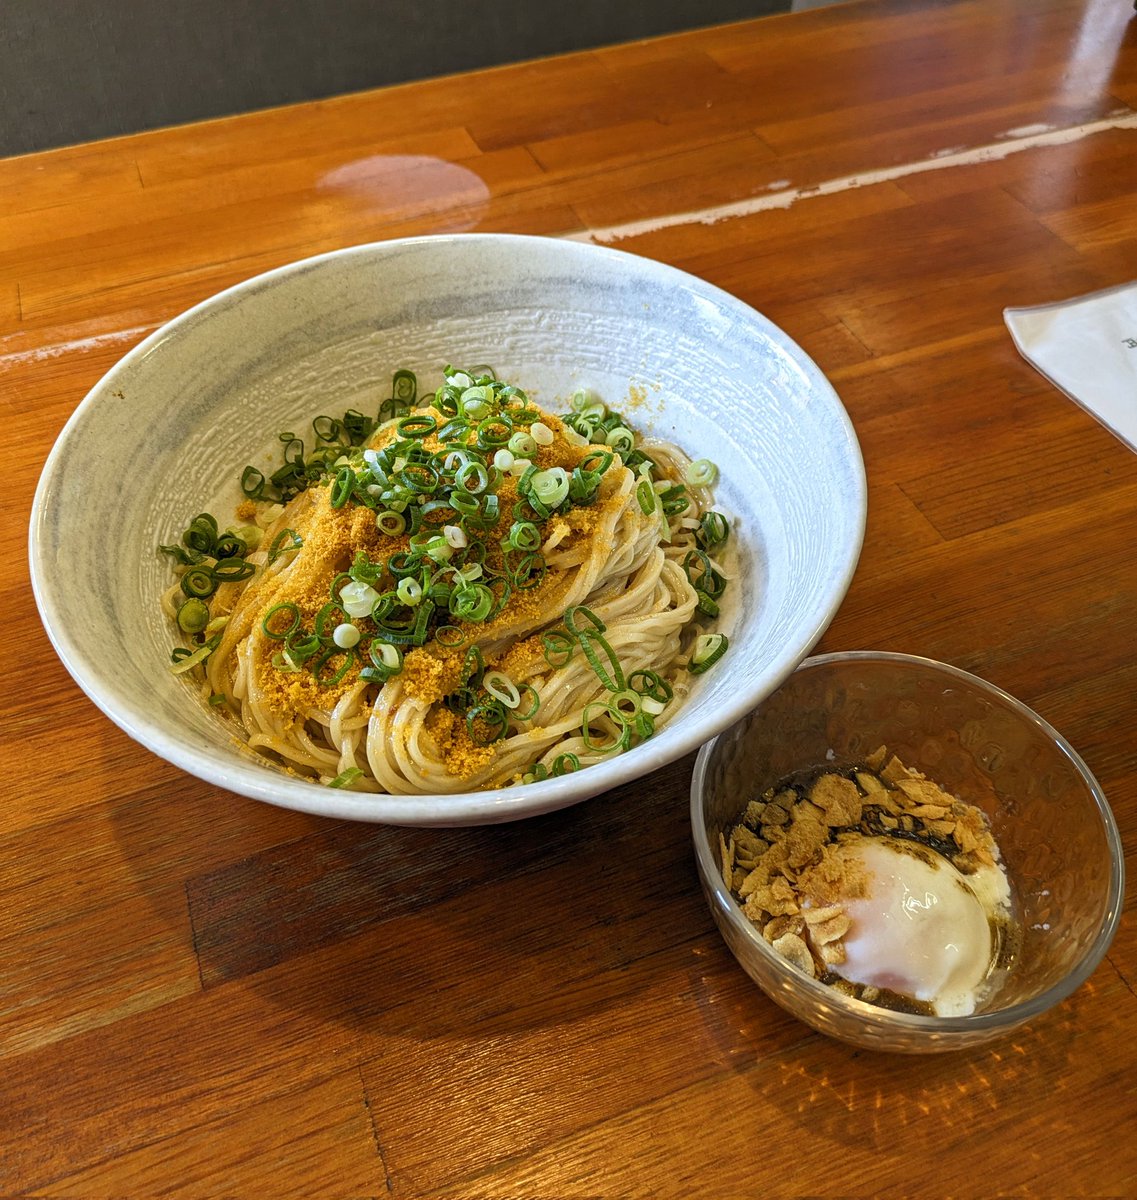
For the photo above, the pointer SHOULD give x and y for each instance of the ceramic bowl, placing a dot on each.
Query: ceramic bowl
(1050, 818)
(166, 433)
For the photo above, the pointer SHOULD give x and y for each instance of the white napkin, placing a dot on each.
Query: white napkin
(1087, 347)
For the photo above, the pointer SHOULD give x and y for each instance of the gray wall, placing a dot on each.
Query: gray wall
(73, 70)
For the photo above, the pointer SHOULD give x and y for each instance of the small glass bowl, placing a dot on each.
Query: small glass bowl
(1048, 814)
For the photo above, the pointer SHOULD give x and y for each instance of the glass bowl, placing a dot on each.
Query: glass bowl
(1049, 816)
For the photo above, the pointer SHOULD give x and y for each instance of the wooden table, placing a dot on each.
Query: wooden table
(205, 996)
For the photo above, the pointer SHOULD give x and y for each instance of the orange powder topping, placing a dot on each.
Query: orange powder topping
(455, 749)
(331, 539)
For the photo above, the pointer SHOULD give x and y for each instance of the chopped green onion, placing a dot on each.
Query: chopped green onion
(643, 725)
(713, 529)
(709, 648)
(300, 646)
(326, 429)
(597, 461)
(650, 684)
(495, 431)
(523, 535)
(409, 591)
(340, 672)
(502, 688)
(342, 487)
(189, 661)
(345, 636)
(284, 542)
(491, 716)
(193, 615)
(474, 602)
(473, 665)
(593, 712)
(534, 708)
(627, 703)
(522, 445)
(558, 647)
(331, 614)
(609, 672)
(706, 579)
(404, 388)
(232, 570)
(229, 545)
(707, 606)
(579, 610)
(550, 486)
(358, 598)
(645, 494)
(472, 478)
(701, 473)
(287, 621)
(419, 426)
(529, 572)
(198, 583)
(673, 500)
(346, 778)
(253, 483)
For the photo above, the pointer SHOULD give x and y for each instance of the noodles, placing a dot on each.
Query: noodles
(464, 594)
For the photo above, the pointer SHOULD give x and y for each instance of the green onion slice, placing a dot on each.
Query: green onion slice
(253, 483)
(602, 659)
(284, 542)
(232, 570)
(534, 707)
(486, 723)
(281, 621)
(701, 473)
(189, 661)
(645, 494)
(709, 648)
(594, 623)
(198, 583)
(557, 646)
(651, 685)
(713, 530)
(193, 615)
(502, 688)
(346, 778)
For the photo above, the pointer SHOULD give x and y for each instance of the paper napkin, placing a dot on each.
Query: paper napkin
(1087, 347)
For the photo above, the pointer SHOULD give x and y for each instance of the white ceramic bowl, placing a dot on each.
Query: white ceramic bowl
(165, 434)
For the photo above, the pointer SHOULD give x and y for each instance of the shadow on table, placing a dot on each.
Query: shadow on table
(435, 933)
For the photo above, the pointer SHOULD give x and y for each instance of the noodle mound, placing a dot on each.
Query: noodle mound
(479, 594)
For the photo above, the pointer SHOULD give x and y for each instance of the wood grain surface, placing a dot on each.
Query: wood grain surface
(204, 996)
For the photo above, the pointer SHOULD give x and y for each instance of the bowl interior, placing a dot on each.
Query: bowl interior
(167, 432)
(1057, 835)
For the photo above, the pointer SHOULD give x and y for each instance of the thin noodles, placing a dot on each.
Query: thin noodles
(516, 615)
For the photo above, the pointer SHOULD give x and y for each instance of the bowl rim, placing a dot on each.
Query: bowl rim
(260, 781)
(887, 1019)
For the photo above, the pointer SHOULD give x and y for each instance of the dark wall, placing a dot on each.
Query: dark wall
(73, 70)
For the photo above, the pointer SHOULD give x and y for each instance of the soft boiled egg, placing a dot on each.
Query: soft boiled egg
(920, 929)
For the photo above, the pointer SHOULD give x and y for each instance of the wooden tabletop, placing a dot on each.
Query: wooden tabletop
(204, 996)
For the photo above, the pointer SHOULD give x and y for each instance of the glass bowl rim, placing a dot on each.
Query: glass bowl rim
(882, 1018)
